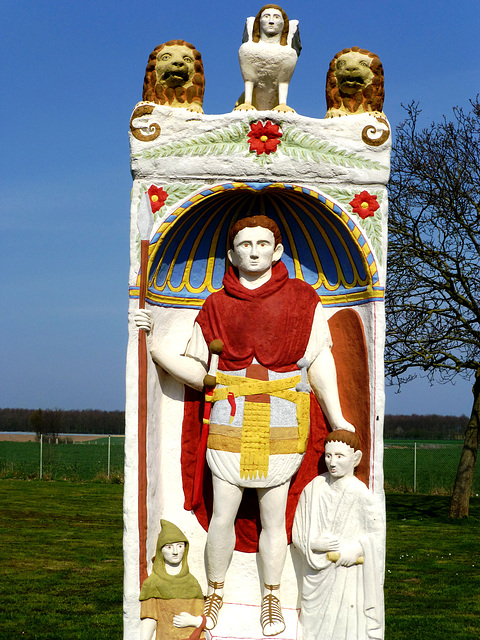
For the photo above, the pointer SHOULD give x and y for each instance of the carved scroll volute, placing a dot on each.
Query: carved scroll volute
(370, 129)
(154, 127)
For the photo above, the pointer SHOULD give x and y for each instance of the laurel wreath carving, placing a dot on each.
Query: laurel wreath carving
(302, 146)
(223, 141)
(295, 144)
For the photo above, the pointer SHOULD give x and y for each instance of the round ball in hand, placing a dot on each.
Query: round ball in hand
(216, 346)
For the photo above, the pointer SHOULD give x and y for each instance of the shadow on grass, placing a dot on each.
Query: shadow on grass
(415, 506)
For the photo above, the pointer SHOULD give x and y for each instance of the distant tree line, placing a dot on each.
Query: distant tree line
(426, 427)
(55, 421)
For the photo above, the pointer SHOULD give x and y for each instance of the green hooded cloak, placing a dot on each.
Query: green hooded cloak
(161, 584)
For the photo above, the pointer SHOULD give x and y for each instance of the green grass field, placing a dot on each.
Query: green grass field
(436, 464)
(77, 461)
(61, 564)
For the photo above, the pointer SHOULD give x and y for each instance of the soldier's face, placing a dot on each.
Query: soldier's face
(254, 250)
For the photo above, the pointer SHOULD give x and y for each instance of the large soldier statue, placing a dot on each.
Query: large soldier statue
(274, 331)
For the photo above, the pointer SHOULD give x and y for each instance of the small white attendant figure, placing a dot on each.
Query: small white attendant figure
(336, 529)
(268, 56)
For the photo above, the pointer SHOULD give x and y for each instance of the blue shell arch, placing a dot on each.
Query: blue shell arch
(322, 245)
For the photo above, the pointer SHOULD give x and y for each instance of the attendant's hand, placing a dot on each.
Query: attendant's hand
(349, 554)
(327, 542)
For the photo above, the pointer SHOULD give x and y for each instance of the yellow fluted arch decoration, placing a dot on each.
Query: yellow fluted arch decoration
(323, 245)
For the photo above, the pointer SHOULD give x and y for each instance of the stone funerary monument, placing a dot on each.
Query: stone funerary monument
(254, 502)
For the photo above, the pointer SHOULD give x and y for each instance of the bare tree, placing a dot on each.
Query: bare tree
(433, 288)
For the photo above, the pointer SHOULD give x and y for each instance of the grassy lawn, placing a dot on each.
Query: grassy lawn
(61, 564)
(432, 586)
(60, 561)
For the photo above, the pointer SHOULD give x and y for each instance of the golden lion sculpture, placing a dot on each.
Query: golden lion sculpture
(174, 76)
(355, 83)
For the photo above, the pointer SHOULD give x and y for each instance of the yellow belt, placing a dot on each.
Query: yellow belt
(257, 440)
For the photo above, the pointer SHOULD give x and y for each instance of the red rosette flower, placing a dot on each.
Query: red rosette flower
(264, 138)
(157, 197)
(364, 204)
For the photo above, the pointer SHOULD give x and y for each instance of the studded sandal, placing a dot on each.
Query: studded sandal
(213, 604)
(271, 611)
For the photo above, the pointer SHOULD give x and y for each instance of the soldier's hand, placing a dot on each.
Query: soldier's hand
(143, 319)
(344, 424)
(209, 382)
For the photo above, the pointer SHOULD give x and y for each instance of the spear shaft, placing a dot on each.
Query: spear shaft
(144, 222)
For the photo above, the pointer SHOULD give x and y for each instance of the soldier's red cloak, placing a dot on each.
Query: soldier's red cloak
(272, 324)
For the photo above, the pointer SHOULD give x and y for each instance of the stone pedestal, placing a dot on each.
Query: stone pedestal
(325, 184)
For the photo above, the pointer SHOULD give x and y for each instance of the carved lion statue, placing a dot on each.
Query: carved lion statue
(174, 76)
(354, 83)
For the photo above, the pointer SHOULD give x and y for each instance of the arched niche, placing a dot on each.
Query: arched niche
(323, 245)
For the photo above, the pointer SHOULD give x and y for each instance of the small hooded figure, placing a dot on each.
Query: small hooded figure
(171, 595)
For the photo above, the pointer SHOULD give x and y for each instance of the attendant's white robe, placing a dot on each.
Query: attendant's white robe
(339, 603)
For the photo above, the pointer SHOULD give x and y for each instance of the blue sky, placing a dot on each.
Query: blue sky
(72, 72)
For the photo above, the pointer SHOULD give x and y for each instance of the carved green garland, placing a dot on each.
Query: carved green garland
(302, 146)
(220, 142)
(294, 143)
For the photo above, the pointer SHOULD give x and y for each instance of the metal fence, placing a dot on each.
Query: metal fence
(422, 466)
(64, 457)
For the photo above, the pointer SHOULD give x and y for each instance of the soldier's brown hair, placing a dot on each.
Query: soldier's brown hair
(256, 221)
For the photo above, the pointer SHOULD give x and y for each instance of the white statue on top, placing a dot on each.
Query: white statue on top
(338, 531)
(268, 55)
